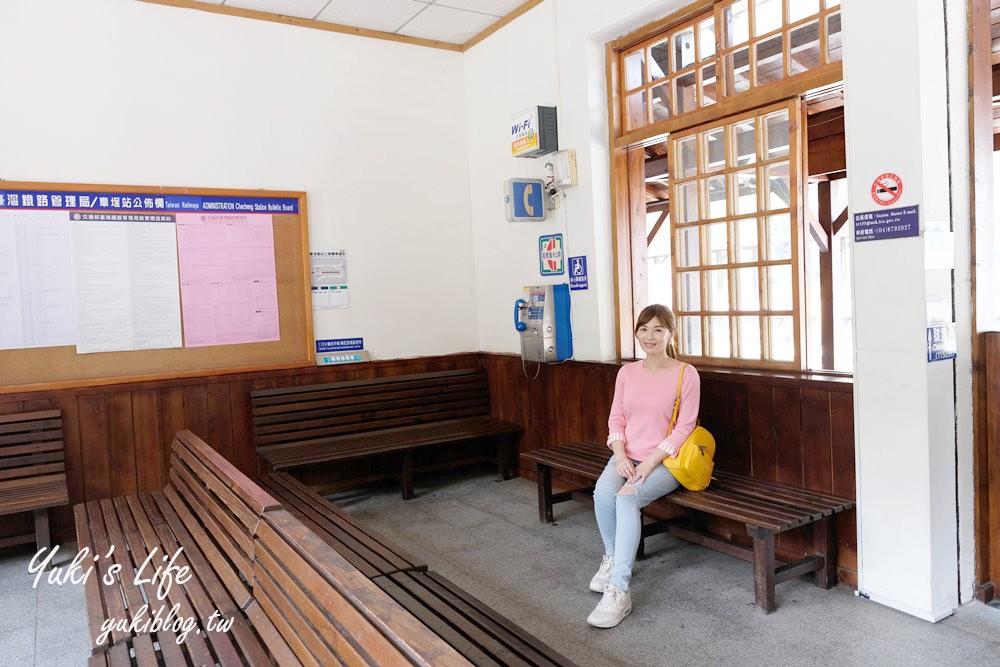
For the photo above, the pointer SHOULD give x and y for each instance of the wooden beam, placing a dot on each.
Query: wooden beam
(657, 225)
(820, 235)
(826, 277)
(839, 222)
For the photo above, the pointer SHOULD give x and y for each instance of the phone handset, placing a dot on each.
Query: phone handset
(519, 305)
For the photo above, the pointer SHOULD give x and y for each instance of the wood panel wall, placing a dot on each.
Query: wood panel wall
(987, 475)
(117, 437)
(794, 430)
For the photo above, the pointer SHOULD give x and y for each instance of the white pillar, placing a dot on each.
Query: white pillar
(905, 423)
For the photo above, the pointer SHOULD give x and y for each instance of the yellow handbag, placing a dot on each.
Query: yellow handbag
(693, 465)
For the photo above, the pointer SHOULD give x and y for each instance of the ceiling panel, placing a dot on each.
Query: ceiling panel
(494, 7)
(446, 24)
(303, 9)
(384, 15)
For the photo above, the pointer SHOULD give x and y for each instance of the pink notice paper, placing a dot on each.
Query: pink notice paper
(229, 294)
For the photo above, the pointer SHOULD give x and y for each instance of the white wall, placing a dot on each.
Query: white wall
(551, 56)
(124, 92)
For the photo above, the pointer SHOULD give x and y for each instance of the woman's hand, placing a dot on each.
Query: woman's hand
(644, 469)
(624, 467)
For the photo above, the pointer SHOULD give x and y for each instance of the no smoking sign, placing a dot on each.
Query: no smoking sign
(887, 188)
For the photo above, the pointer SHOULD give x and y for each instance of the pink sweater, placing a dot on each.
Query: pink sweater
(643, 404)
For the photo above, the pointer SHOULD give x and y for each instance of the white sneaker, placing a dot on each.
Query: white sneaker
(603, 576)
(613, 607)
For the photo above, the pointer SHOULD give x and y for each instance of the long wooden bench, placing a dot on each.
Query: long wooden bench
(342, 421)
(365, 548)
(478, 633)
(765, 508)
(289, 597)
(32, 471)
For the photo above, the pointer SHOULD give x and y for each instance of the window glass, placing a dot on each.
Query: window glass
(719, 331)
(736, 23)
(770, 60)
(800, 9)
(746, 235)
(745, 191)
(709, 86)
(776, 133)
(715, 196)
(747, 288)
(779, 194)
(684, 55)
(685, 91)
(660, 99)
(635, 69)
(781, 335)
(744, 142)
(659, 61)
(714, 149)
(689, 248)
(779, 287)
(738, 71)
(749, 336)
(804, 48)
(766, 16)
(718, 289)
(779, 237)
(690, 336)
(718, 243)
(687, 165)
(834, 39)
(706, 39)
(636, 105)
(689, 296)
(687, 202)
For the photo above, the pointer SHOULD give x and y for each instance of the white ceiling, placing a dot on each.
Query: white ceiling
(451, 21)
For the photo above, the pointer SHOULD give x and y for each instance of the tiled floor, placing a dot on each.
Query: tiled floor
(43, 625)
(692, 606)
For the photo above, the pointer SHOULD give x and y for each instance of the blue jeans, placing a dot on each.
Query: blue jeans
(619, 515)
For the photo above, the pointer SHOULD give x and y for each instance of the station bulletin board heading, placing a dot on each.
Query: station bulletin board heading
(102, 284)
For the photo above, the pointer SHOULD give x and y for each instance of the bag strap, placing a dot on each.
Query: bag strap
(677, 401)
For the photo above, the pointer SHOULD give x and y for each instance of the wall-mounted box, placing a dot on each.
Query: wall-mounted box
(534, 132)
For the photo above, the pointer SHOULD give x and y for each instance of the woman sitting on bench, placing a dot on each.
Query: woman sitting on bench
(634, 477)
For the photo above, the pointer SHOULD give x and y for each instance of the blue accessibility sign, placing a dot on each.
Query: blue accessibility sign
(578, 273)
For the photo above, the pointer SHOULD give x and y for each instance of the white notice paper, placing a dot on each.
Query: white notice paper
(127, 291)
(36, 280)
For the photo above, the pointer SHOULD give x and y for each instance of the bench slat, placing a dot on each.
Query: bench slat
(481, 634)
(365, 548)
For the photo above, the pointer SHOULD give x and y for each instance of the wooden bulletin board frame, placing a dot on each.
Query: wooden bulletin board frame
(49, 368)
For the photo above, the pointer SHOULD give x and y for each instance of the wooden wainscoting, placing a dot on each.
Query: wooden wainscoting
(118, 436)
(987, 471)
(797, 430)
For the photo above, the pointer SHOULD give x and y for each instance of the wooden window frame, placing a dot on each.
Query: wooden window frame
(627, 172)
(702, 221)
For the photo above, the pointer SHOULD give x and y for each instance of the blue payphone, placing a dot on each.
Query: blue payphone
(544, 323)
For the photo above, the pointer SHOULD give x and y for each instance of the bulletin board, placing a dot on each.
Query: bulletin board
(40, 368)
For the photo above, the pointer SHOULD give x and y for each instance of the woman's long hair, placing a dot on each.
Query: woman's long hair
(666, 318)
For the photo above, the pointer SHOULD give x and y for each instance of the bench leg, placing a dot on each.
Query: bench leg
(763, 568)
(825, 533)
(406, 476)
(43, 538)
(506, 455)
(544, 492)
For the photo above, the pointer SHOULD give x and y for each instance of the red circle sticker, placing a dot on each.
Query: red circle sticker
(887, 189)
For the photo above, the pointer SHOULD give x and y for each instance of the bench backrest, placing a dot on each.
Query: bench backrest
(219, 507)
(32, 462)
(295, 414)
(324, 611)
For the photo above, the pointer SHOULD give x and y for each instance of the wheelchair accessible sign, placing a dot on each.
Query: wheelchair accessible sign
(578, 273)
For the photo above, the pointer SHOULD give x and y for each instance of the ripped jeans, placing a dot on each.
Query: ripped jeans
(619, 515)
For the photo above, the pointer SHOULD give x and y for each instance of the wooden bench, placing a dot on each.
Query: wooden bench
(342, 421)
(290, 598)
(766, 509)
(365, 548)
(478, 633)
(32, 471)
